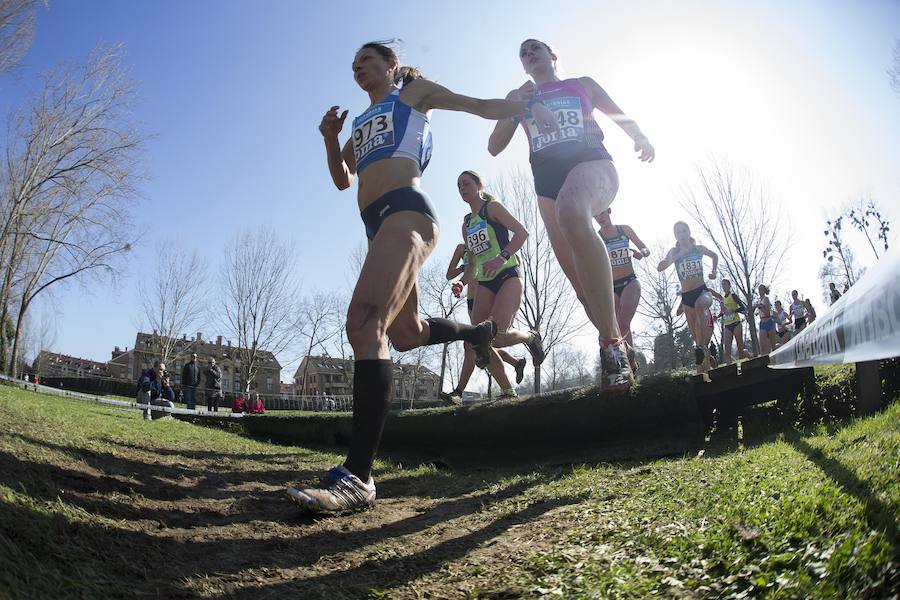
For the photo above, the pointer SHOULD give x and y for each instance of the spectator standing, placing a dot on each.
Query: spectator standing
(213, 385)
(190, 379)
(835, 294)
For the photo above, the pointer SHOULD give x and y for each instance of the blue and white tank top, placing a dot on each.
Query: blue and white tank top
(391, 129)
(690, 266)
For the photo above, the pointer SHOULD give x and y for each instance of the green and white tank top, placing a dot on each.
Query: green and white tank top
(485, 238)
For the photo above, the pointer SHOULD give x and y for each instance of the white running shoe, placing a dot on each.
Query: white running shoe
(615, 372)
(340, 491)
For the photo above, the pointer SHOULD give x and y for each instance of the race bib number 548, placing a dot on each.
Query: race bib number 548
(568, 116)
(373, 130)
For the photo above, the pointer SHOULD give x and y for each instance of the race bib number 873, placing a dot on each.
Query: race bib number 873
(373, 130)
(568, 116)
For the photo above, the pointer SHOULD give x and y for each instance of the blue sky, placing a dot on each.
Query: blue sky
(232, 93)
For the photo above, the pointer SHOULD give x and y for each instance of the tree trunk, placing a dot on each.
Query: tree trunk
(443, 367)
(537, 379)
(14, 357)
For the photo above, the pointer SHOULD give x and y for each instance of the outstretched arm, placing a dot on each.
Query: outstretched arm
(426, 95)
(605, 104)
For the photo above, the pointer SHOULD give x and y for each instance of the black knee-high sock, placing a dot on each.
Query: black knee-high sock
(373, 382)
(445, 330)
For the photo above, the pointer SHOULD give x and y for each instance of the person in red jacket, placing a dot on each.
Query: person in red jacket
(239, 405)
(255, 405)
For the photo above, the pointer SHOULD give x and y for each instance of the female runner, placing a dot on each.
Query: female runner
(460, 264)
(486, 232)
(626, 286)
(768, 340)
(389, 148)
(731, 309)
(574, 179)
(687, 256)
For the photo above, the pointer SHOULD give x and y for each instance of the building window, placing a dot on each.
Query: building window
(237, 385)
(178, 364)
(269, 387)
(224, 384)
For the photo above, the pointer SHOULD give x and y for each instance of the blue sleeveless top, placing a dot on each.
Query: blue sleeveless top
(391, 129)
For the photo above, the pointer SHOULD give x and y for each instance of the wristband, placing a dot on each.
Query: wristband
(504, 254)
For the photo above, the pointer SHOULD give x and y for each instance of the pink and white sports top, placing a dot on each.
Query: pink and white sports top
(574, 111)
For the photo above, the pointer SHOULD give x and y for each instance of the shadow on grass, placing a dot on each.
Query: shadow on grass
(878, 514)
(397, 571)
(51, 551)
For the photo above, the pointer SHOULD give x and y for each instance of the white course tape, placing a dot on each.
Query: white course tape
(45, 389)
(863, 325)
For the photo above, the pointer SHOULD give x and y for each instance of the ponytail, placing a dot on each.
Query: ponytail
(406, 75)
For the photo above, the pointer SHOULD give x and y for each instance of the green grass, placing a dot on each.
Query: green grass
(92, 497)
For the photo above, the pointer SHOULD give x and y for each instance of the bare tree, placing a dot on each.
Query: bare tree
(174, 298)
(743, 224)
(320, 320)
(436, 300)
(866, 217)
(258, 298)
(660, 292)
(549, 304)
(17, 19)
(68, 184)
(840, 263)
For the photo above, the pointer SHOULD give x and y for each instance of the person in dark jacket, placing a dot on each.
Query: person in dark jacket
(213, 385)
(153, 387)
(190, 379)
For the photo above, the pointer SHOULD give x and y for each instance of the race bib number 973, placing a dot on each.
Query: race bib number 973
(373, 130)
(568, 116)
